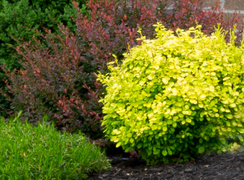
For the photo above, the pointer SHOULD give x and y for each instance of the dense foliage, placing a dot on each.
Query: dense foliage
(59, 79)
(18, 21)
(41, 152)
(176, 96)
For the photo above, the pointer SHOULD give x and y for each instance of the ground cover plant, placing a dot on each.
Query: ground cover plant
(59, 80)
(176, 96)
(41, 152)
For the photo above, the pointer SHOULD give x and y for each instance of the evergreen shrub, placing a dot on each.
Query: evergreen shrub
(18, 21)
(176, 96)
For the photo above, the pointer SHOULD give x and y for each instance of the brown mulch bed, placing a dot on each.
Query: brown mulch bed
(212, 167)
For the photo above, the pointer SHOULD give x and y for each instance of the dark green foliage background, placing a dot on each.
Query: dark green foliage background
(17, 17)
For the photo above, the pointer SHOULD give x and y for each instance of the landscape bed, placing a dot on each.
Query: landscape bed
(212, 167)
(45, 154)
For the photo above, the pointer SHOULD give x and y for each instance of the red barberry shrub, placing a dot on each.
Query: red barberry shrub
(57, 81)
(60, 80)
(189, 13)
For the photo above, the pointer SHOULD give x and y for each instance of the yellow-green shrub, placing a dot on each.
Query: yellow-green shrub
(178, 95)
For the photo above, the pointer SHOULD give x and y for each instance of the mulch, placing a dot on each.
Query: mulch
(225, 166)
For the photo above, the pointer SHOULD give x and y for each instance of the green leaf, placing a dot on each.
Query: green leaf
(127, 149)
(165, 128)
(201, 149)
(164, 153)
(150, 77)
(149, 152)
(115, 131)
(240, 138)
(193, 101)
(188, 120)
(227, 123)
(165, 80)
(156, 151)
(114, 138)
(229, 116)
(118, 144)
(170, 152)
(154, 127)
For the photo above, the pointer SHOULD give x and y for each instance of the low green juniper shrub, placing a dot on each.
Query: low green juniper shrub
(176, 96)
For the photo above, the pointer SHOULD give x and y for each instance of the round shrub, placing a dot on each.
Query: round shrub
(176, 96)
